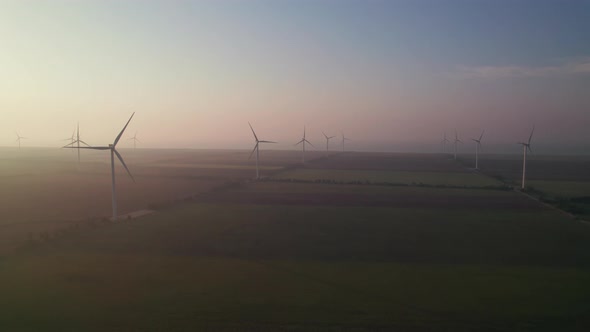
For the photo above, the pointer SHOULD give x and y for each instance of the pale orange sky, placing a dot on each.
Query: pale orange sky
(389, 75)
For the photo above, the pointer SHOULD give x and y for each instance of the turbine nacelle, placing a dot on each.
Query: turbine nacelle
(528, 144)
(256, 148)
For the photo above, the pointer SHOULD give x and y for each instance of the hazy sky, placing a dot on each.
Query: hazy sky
(389, 74)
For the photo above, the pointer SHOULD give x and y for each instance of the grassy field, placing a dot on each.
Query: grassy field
(565, 189)
(268, 256)
(155, 293)
(393, 177)
(306, 267)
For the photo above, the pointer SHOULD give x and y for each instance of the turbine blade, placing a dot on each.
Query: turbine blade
(481, 136)
(88, 147)
(124, 165)
(303, 140)
(530, 137)
(255, 137)
(266, 142)
(308, 142)
(122, 131)
(326, 136)
(251, 153)
(81, 141)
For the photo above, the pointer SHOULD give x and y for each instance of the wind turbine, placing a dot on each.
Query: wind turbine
(477, 146)
(78, 141)
(525, 147)
(327, 143)
(457, 140)
(112, 148)
(344, 139)
(444, 142)
(18, 139)
(71, 139)
(256, 149)
(135, 140)
(304, 140)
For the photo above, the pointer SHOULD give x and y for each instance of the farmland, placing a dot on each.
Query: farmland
(305, 255)
(391, 177)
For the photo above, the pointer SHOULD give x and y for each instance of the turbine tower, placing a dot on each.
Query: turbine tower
(135, 140)
(525, 147)
(344, 139)
(304, 140)
(444, 142)
(256, 149)
(77, 141)
(18, 139)
(477, 146)
(327, 143)
(114, 152)
(457, 140)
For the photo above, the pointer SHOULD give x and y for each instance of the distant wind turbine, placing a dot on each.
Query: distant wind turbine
(77, 141)
(344, 139)
(257, 149)
(135, 140)
(444, 142)
(304, 140)
(18, 139)
(525, 146)
(477, 146)
(112, 148)
(327, 143)
(71, 139)
(457, 140)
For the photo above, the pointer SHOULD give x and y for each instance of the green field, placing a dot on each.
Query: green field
(274, 267)
(393, 177)
(563, 189)
(447, 252)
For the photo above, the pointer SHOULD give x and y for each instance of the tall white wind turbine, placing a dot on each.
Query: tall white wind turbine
(327, 143)
(77, 141)
(257, 149)
(114, 152)
(457, 140)
(477, 146)
(303, 141)
(525, 146)
(135, 140)
(18, 139)
(343, 140)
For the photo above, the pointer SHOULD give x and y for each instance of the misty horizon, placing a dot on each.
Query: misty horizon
(391, 75)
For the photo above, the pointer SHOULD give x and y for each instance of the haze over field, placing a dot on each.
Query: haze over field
(391, 75)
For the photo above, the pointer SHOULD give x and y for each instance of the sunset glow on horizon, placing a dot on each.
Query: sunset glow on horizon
(391, 75)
